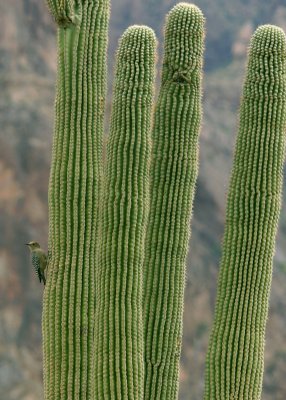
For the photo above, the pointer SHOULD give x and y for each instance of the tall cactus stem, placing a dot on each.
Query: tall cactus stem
(236, 350)
(173, 177)
(68, 312)
(124, 214)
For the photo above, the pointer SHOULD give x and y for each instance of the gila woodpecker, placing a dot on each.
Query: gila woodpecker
(39, 260)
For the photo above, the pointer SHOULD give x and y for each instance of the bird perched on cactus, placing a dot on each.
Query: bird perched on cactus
(39, 260)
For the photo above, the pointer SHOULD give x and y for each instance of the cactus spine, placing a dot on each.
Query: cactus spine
(173, 177)
(236, 350)
(68, 311)
(125, 204)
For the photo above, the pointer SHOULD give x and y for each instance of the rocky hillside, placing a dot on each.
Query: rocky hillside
(27, 76)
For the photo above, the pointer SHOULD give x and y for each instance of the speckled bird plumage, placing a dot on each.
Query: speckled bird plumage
(39, 260)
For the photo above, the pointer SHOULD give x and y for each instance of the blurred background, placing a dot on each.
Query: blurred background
(27, 87)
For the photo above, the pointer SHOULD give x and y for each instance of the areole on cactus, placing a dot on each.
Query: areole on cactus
(118, 234)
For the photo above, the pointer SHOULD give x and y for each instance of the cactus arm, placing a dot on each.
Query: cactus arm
(125, 204)
(235, 358)
(68, 309)
(173, 177)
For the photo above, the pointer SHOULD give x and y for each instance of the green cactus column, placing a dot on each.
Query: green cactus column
(173, 176)
(119, 363)
(236, 351)
(68, 311)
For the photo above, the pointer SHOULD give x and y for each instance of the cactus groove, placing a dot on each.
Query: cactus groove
(236, 351)
(173, 177)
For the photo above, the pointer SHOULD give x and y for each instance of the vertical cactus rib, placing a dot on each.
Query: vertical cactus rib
(68, 312)
(235, 358)
(173, 176)
(124, 214)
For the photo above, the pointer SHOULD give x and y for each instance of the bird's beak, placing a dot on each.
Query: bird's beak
(26, 244)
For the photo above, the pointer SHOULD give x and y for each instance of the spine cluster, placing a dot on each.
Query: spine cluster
(236, 350)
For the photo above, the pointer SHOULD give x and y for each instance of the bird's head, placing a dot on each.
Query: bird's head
(33, 245)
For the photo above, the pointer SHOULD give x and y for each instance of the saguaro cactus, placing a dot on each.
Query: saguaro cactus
(236, 350)
(113, 273)
(118, 236)
(68, 311)
(173, 177)
(119, 346)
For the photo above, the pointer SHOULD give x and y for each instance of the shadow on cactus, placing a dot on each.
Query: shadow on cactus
(119, 233)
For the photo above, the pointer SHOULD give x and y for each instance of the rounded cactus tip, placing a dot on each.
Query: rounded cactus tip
(140, 33)
(138, 42)
(184, 13)
(268, 39)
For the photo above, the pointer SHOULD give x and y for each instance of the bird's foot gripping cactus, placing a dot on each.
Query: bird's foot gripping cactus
(113, 304)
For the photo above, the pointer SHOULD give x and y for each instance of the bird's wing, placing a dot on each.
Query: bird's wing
(43, 257)
(36, 265)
